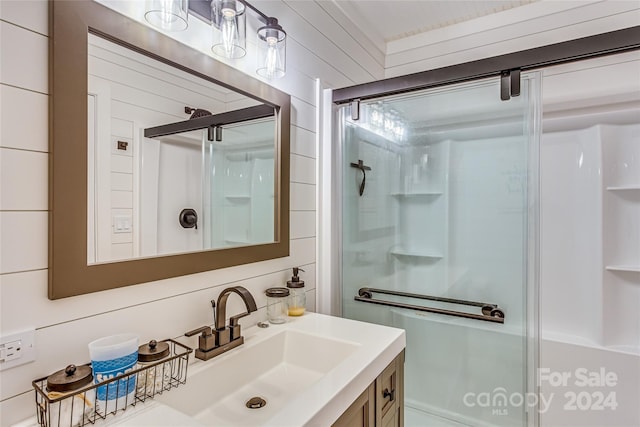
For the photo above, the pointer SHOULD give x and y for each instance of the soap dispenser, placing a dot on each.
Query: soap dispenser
(297, 296)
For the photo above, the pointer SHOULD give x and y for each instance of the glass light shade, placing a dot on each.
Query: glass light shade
(229, 28)
(272, 44)
(168, 15)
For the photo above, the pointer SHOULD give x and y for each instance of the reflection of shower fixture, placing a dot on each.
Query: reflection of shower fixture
(188, 218)
(212, 122)
(196, 112)
(360, 165)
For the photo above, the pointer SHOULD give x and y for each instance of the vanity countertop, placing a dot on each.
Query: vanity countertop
(370, 348)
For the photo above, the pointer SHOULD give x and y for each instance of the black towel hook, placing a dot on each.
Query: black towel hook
(360, 165)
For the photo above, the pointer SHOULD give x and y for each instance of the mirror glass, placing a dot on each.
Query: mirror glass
(164, 161)
(156, 186)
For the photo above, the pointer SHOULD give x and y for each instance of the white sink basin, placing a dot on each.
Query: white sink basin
(308, 371)
(276, 369)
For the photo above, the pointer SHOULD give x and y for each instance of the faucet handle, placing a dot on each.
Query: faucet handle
(235, 326)
(206, 330)
(233, 320)
(207, 340)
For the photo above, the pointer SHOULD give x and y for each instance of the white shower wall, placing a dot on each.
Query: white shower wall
(239, 195)
(571, 259)
(171, 180)
(591, 235)
(590, 241)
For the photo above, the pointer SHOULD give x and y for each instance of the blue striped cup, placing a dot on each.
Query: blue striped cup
(112, 356)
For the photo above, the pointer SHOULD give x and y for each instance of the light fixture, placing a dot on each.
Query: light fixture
(168, 15)
(228, 19)
(272, 41)
(229, 28)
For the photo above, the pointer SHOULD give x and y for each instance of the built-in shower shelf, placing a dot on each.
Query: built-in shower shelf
(418, 194)
(632, 268)
(624, 188)
(415, 254)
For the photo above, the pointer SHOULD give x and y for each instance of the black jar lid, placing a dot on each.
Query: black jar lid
(277, 292)
(295, 284)
(295, 281)
(70, 378)
(153, 351)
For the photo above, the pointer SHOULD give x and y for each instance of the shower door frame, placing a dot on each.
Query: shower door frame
(609, 43)
(531, 264)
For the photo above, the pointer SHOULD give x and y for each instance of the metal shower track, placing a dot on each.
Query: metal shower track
(613, 42)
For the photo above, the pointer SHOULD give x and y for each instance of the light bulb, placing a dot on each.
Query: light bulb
(271, 63)
(271, 58)
(228, 12)
(229, 31)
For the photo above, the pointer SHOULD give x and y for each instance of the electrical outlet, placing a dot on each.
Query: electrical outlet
(17, 349)
(10, 351)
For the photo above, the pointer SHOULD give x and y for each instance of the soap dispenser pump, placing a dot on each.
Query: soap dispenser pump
(297, 296)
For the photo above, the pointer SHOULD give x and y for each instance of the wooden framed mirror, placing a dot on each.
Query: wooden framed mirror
(75, 268)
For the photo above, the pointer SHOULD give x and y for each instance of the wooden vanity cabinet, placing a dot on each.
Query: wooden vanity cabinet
(382, 403)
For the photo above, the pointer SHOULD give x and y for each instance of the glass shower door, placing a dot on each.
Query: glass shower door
(437, 193)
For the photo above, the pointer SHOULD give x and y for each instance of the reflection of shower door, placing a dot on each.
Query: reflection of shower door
(446, 211)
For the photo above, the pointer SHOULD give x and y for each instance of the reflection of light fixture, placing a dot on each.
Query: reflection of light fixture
(229, 33)
(385, 122)
(272, 41)
(229, 21)
(169, 15)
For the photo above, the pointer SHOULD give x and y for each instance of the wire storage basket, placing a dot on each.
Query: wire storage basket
(94, 402)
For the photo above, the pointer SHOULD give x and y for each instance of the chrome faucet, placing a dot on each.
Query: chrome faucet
(213, 342)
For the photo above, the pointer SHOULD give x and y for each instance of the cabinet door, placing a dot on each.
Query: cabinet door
(361, 412)
(390, 419)
(386, 391)
(389, 394)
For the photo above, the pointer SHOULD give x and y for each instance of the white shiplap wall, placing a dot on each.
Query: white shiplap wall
(161, 309)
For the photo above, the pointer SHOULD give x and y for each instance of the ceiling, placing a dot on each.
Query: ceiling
(385, 21)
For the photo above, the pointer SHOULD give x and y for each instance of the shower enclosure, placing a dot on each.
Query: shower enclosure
(439, 235)
(226, 181)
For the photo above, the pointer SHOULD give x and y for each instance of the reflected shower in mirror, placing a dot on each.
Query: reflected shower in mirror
(176, 164)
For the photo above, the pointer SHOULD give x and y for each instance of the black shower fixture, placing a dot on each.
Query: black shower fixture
(360, 165)
(212, 122)
(196, 112)
(188, 218)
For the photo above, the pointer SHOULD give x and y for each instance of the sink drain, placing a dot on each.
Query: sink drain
(256, 403)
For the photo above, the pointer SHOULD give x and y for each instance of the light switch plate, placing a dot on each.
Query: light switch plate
(122, 223)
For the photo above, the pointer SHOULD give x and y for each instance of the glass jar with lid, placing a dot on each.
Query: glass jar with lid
(297, 298)
(74, 405)
(157, 376)
(277, 299)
